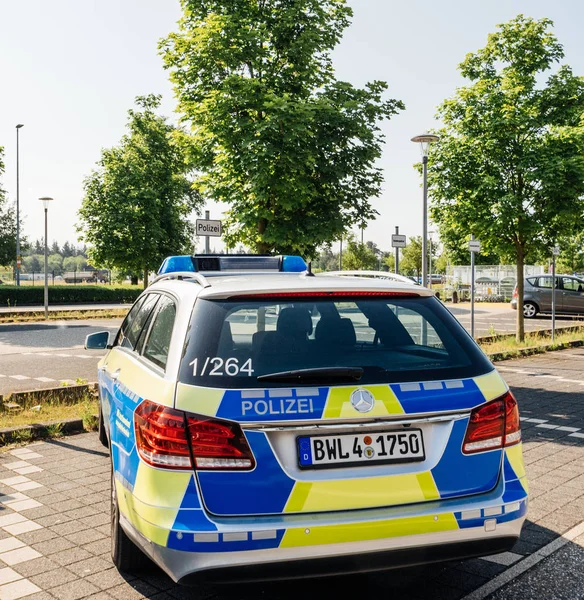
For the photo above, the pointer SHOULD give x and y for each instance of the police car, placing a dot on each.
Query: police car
(262, 421)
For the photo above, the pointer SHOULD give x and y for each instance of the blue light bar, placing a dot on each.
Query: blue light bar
(232, 263)
(176, 264)
(293, 264)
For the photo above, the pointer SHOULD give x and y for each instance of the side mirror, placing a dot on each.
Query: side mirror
(97, 341)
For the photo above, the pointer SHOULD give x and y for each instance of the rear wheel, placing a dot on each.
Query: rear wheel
(529, 310)
(126, 556)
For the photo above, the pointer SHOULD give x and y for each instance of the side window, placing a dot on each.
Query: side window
(546, 283)
(136, 325)
(130, 317)
(571, 284)
(158, 342)
(533, 281)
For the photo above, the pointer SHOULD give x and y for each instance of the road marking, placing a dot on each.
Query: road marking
(525, 564)
(43, 379)
(19, 377)
(504, 558)
(576, 435)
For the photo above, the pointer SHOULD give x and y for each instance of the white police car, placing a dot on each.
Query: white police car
(261, 417)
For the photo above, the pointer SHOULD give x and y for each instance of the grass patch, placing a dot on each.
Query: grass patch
(53, 411)
(64, 315)
(531, 341)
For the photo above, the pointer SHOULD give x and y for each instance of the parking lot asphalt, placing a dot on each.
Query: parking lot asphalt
(54, 518)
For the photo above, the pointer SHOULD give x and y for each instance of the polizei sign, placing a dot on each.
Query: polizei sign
(208, 227)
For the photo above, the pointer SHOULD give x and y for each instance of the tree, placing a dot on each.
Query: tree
(326, 260)
(33, 263)
(55, 262)
(289, 148)
(411, 260)
(7, 223)
(68, 250)
(571, 259)
(137, 202)
(359, 256)
(509, 167)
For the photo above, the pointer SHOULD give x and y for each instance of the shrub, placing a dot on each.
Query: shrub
(11, 295)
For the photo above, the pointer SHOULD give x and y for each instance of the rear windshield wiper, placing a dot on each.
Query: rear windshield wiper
(326, 373)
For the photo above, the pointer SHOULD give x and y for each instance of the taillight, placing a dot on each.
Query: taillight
(493, 425)
(161, 437)
(166, 437)
(218, 444)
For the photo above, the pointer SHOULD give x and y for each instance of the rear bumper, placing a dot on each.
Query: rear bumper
(362, 562)
(308, 549)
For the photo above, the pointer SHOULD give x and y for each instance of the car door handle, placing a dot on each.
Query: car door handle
(114, 374)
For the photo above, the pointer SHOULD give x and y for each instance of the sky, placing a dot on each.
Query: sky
(70, 70)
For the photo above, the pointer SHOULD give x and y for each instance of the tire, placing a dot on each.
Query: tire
(102, 433)
(126, 556)
(530, 310)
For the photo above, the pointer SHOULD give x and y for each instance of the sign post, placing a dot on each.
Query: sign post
(474, 246)
(397, 241)
(555, 252)
(208, 228)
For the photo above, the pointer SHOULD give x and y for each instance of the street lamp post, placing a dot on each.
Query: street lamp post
(46, 202)
(425, 140)
(18, 260)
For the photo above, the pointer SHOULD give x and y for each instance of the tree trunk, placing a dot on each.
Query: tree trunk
(146, 270)
(520, 334)
(262, 247)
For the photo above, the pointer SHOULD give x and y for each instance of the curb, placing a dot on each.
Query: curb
(37, 431)
(486, 339)
(67, 394)
(522, 352)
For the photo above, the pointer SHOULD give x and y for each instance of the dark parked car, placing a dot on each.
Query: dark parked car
(537, 295)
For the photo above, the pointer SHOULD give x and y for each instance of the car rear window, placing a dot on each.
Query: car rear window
(231, 343)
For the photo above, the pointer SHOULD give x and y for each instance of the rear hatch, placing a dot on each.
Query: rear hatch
(333, 401)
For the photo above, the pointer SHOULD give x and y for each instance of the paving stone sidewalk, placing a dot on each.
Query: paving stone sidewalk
(55, 511)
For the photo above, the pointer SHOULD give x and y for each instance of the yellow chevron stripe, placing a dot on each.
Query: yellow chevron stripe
(346, 494)
(200, 400)
(492, 385)
(338, 403)
(376, 530)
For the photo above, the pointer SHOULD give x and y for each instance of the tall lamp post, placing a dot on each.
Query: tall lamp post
(18, 260)
(46, 202)
(425, 140)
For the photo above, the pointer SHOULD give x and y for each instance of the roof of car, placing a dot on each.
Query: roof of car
(220, 287)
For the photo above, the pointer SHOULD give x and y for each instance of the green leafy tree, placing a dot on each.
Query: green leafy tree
(509, 167)
(33, 263)
(571, 259)
(326, 260)
(55, 263)
(7, 223)
(388, 262)
(69, 264)
(68, 250)
(359, 256)
(411, 258)
(137, 203)
(289, 148)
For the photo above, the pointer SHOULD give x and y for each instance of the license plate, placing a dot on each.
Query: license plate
(352, 449)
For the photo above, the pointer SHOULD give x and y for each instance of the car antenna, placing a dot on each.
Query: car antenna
(309, 272)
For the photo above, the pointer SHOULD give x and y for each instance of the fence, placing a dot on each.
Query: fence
(493, 283)
(73, 277)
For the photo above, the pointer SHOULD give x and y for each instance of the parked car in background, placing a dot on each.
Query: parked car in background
(537, 295)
